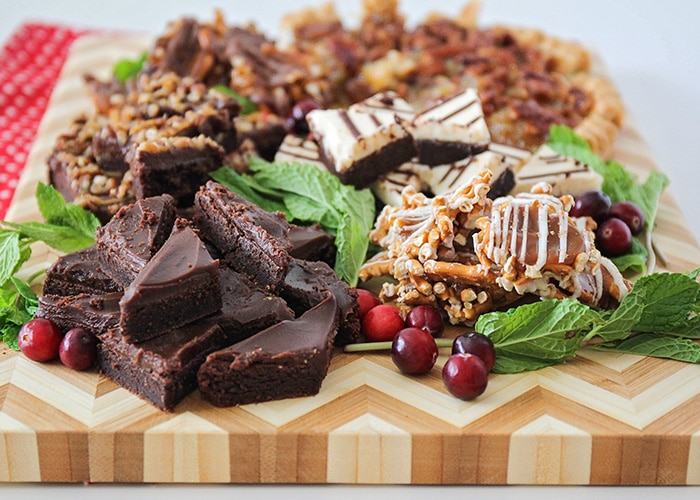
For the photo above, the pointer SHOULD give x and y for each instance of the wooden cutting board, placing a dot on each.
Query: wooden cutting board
(600, 419)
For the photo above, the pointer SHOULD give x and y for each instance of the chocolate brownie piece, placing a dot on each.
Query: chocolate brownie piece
(309, 282)
(287, 360)
(246, 307)
(312, 243)
(95, 313)
(174, 165)
(78, 272)
(179, 285)
(251, 240)
(162, 370)
(127, 242)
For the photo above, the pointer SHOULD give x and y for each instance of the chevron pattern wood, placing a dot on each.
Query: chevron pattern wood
(602, 418)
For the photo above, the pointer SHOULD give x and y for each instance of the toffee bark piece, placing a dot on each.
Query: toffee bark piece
(78, 272)
(130, 239)
(287, 360)
(358, 146)
(451, 130)
(246, 307)
(308, 283)
(565, 175)
(174, 165)
(179, 285)
(95, 313)
(251, 240)
(162, 370)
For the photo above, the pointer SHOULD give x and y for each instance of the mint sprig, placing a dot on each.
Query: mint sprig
(126, 69)
(307, 195)
(247, 106)
(68, 228)
(659, 317)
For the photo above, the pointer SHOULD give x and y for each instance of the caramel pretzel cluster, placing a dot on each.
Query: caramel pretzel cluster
(469, 255)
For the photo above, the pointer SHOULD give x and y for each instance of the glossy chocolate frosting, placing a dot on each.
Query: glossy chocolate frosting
(180, 284)
(135, 233)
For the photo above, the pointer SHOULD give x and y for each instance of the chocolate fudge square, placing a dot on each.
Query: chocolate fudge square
(246, 307)
(308, 283)
(287, 360)
(177, 166)
(136, 232)
(94, 313)
(162, 370)
(179, 285)
(251, 240)
(78, 272)
(312, 243)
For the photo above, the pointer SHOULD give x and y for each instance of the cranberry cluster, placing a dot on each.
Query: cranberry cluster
(414, 349)
(617, 222)
(41, 340)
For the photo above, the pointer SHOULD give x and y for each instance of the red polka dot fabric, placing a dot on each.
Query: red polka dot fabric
(30, 64)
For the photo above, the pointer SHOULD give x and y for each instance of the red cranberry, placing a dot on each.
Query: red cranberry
(39, 339)
(477, 344)
(613, 237)
(367, 300)
(594, 204)
(465, 376)
(297, 117)
(78, 350)
(630, 214)
(426, 318)
(382, 323)
(414, 351)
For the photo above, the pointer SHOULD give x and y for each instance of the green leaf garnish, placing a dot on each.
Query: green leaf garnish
(536, 335)
(247, 106)
(125, 69)
(658, 317)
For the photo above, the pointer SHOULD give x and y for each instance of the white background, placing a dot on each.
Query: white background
(651, 51)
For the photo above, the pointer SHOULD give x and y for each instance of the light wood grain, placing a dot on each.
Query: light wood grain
(602, 418)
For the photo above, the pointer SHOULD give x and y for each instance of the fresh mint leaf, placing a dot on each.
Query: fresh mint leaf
(11, 320)
(658, 346)
(539, 334)
(61, 238)
(56, 211)
(634, 261)
(20, 305)
(351, 243)
(666, 300)
(694, 274)
(618, 323)
(247, 106)
(245, 186)
(126, 69)
(9, 254)
(31, 301)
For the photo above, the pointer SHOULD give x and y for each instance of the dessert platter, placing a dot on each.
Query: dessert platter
(232, 345)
